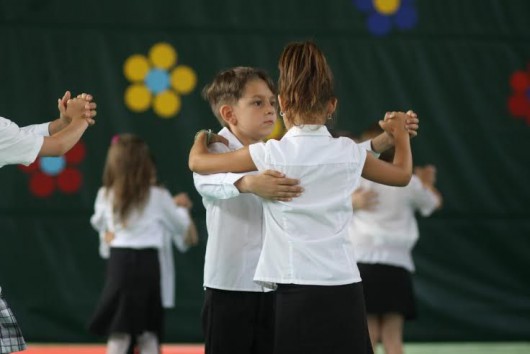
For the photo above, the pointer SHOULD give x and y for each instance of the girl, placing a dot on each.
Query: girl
(307, 253)
(136, 216)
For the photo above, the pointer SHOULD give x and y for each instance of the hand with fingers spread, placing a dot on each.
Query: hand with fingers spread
(271, 185)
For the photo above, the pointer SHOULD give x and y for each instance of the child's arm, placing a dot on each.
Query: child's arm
(400, 171)
(204, 162)
(427, 176)
(192, 236)
(61, 142)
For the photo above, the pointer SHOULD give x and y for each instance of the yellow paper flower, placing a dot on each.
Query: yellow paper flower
(157, 82)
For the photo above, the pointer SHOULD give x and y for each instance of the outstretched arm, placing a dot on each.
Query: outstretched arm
(400, 171)
(62, 141)
(204, 162)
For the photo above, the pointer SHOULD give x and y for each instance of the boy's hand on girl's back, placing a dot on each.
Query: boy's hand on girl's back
(271, 185)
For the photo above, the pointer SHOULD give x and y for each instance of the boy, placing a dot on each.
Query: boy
(238, 314)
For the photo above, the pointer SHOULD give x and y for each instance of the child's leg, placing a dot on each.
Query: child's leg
(118, 343)
(374, 329)
(148, 343)
(392, 333)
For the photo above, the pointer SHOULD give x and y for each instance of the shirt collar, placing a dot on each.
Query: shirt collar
(308, 130)
(233, 141)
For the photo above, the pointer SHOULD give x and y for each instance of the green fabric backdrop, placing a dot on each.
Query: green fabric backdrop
(453, 67)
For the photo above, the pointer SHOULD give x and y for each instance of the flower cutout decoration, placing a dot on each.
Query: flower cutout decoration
(519, 101)
(383, 15)
(157, 82)
(278, 131)
(50, 173)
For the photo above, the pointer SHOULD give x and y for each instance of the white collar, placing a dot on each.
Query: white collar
(233, 141)
(308, 129)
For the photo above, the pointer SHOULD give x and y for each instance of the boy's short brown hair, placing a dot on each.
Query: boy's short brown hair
(228, 85)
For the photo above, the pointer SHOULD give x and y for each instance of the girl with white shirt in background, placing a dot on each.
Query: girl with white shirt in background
(307, 253)
(139, 216)
(384, 234)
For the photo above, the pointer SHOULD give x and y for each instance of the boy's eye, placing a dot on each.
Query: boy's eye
(257, 103)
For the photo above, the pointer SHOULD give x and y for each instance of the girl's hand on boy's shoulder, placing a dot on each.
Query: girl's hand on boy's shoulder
(214, 138)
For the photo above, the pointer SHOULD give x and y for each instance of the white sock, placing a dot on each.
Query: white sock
(118, 343)
(148, 343)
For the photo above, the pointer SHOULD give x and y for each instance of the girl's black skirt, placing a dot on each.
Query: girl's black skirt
(131, 301)
(388, 289)
(313, 319)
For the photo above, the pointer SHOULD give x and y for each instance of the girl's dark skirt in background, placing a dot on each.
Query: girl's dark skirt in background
(131, 301)
(314, 319)
(388, 289)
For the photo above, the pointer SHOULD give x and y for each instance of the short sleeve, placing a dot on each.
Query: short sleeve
(38, 129)
(258, 153)
(359, 155)
(16, 145)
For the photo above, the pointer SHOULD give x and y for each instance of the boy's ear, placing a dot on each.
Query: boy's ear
(227, 113)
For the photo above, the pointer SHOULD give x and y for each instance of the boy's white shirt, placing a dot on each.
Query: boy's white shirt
(234, 222)
(20, 145)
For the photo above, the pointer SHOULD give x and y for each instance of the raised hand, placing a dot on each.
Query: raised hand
(412, 123)
(395, 123)
(85, 107)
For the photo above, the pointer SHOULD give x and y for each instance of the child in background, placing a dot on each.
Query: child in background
(23, 146)
(384, 236)
(138, 217)
(306, 251)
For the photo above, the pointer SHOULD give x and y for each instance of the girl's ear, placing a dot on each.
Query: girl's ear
(332, 106)
(280, 104)
(227, 113)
